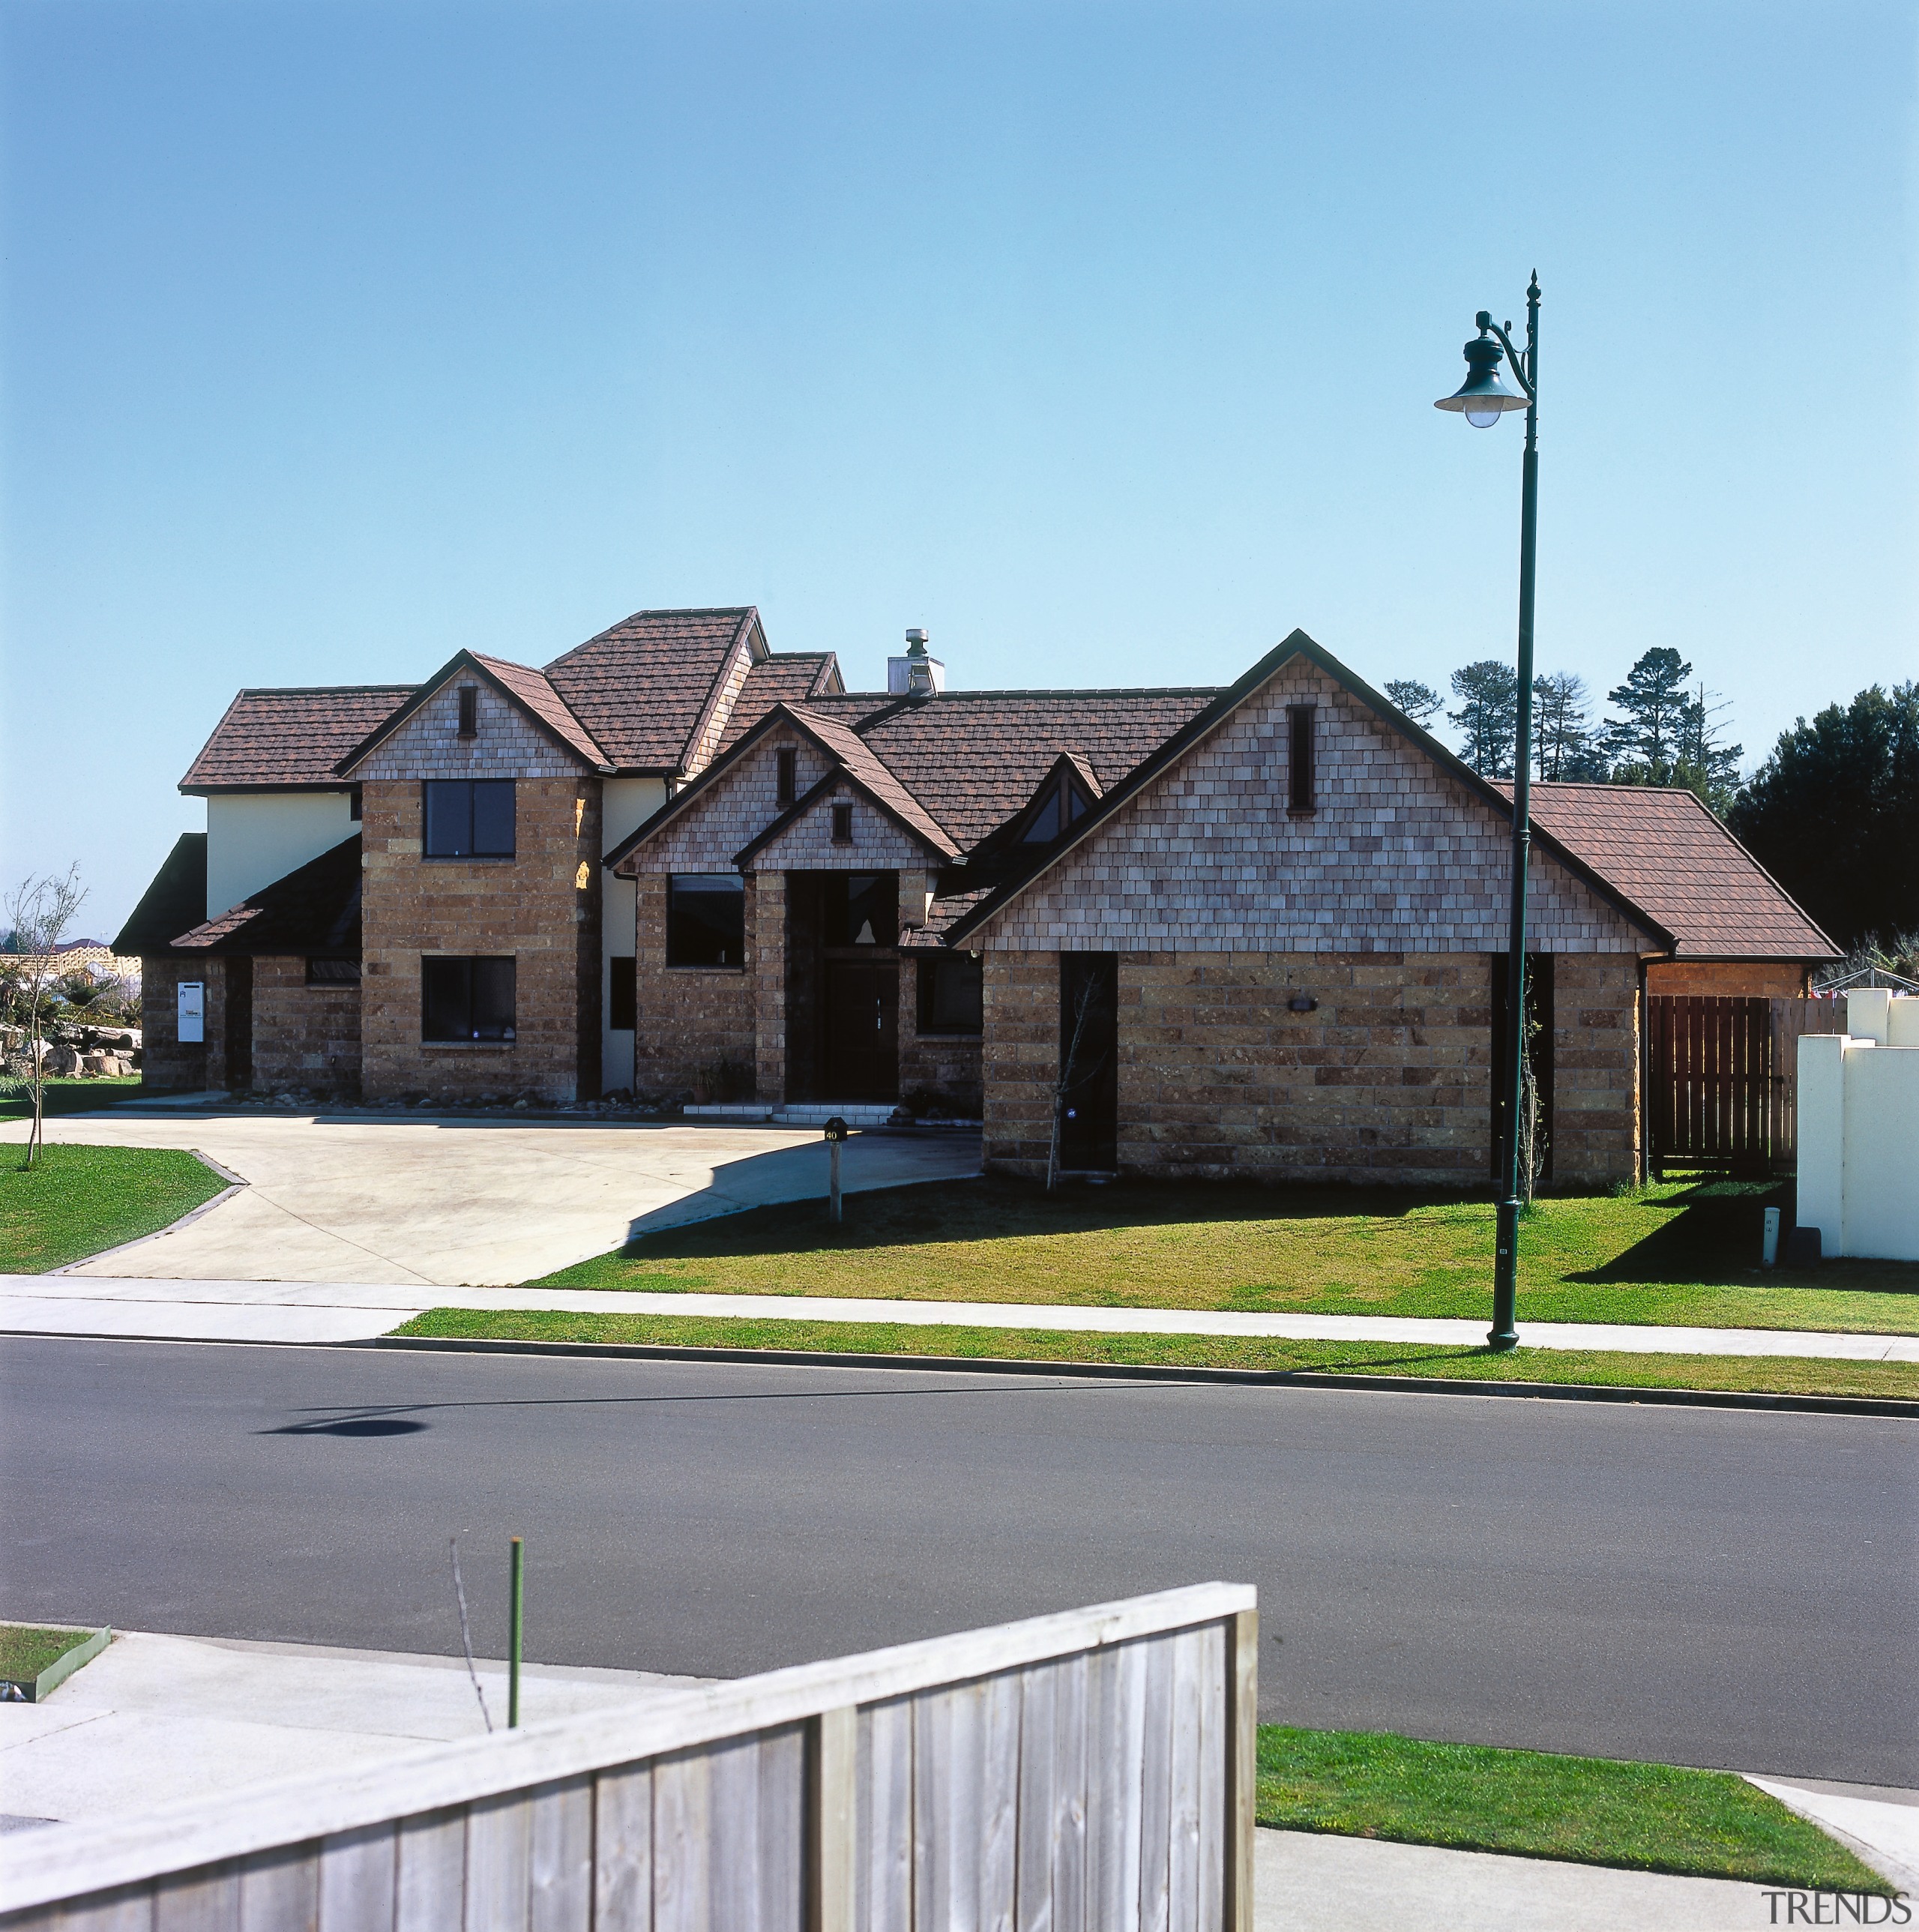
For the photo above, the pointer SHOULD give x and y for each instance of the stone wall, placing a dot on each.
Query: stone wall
(1752, 978)
(166, 1066)
(696, 1031)
(766, 941)
(304, 1037)
(1387, 1080)
(541, 907)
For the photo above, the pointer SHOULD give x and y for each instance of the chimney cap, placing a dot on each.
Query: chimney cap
(916, 641)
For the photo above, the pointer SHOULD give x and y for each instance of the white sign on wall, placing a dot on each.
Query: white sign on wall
(192, 1012)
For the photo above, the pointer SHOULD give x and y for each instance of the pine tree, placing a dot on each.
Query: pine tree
(1488, 692)
(1563, 746)
(1645, 745)
(1705, 764)
(1420, 702)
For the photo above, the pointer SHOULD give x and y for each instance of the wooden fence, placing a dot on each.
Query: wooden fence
(1721, 1073)
(1087, 1772)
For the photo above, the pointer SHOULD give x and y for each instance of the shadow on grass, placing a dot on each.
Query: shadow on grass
(995, 1207)
(71, 1096)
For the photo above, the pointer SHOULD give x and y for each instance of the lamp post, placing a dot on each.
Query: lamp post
(1482, 399)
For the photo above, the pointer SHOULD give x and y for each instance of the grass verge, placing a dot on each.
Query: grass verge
(1645, 1817)
(75, 1201)
(72, 1097)
(27, 1649)
(1684, 1253)
(1778, 1375)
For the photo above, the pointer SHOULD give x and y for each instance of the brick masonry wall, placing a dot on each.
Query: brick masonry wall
(1388, 1080)
(693, 1022)
(1396, 857)
(767, 941)
(1752, 978)
(166, 1065)
(941, 1068)
(541, 907)
(304, 1037)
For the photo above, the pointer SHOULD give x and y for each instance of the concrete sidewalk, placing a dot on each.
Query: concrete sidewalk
(428, 1202)
(273, 1311)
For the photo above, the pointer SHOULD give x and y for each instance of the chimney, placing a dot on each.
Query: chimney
(916, 675)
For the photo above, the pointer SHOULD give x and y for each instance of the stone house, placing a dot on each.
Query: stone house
(1256, 932)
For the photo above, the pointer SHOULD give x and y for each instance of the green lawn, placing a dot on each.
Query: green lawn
(27, 1649)
(72, 1097)
(1646, 1817)
(1778, 1375)
(1682, 1252)
(75, 1201)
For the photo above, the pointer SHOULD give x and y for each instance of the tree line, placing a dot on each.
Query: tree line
(1833, 813)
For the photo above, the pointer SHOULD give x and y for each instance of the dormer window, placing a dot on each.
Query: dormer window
(469, 711)
(1060, 806)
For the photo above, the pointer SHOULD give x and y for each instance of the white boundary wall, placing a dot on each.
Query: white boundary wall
(1859, 1130)
(1092, 1771)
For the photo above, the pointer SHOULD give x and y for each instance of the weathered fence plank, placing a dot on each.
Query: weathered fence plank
(1090, 1773)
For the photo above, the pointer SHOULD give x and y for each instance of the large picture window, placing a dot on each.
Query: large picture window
(951, 995)
(466, 999)
(705, 919)
(468, 818)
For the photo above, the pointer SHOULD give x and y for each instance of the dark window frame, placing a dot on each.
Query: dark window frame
(1301, 777)
(622, 993)
(335, 974)
(353, 804)
(785, 775)
(932, 968)
(472, 987)
(684, 928)
(433, 817)
(843, 825)
(1069, 805)
(469, 711)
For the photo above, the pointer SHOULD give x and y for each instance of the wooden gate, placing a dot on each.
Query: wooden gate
(1721, 1076)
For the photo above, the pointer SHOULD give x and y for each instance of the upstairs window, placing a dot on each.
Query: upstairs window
(786, 784)
(468, 818)
(469, 711)
(1299, 721)
(466, 999)
(951, 993)
(842, 825)
(706, 919)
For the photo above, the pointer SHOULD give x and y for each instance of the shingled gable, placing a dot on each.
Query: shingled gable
(1197, 729)
(526, 689)
(853, 763)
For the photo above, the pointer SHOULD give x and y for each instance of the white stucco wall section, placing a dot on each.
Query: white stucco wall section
(1858, 1106)
(254, 837)
(625, 805)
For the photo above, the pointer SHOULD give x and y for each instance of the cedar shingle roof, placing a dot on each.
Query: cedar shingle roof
(643, 688)
(974, 758)
(315, 908)
(175, 900)
(786, 677)
(534, 690)
(1667, 853)
(292, 737)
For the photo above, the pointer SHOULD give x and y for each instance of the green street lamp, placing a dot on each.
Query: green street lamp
(1482, 399)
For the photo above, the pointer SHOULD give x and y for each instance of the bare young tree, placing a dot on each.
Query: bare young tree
(1072, 1069)
(40, 914)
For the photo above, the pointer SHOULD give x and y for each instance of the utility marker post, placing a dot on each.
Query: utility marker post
(836, 1134)
(516, 1631)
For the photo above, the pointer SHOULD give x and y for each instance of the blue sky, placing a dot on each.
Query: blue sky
(1100, 339)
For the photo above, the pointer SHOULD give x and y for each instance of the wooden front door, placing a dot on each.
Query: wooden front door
(862, 1032)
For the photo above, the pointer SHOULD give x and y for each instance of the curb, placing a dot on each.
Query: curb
(1158, 1372)
(234, 1183)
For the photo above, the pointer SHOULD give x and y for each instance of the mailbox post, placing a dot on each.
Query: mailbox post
(836, 1134)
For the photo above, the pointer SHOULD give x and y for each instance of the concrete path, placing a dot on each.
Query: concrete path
(187, 1716)
(80, 1303)
(427, 1203)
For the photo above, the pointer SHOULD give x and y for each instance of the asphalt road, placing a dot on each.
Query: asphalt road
(1696, 1586)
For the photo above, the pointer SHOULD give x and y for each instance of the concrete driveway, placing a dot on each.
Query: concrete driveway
(455, 1203)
